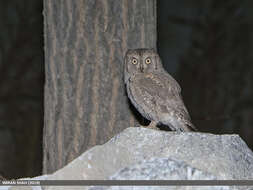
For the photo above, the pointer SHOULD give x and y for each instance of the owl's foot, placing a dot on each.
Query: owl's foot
(153, 125)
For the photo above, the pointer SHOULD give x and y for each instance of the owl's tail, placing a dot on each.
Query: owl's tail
(192, 127)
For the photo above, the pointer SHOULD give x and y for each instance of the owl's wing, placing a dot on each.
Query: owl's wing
(170, 81)
(146, 94)
(154, 95)
(171, 102)
(157, 98)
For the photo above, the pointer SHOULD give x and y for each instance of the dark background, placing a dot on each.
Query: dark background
(205, 44)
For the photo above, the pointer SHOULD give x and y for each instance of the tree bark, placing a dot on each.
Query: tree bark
(85, 100)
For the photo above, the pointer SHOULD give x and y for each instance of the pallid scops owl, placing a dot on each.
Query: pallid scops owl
(153, 92)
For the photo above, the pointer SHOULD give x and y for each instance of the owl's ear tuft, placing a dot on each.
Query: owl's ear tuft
(129, 51)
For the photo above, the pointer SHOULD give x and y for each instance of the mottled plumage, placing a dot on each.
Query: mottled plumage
(155, 93)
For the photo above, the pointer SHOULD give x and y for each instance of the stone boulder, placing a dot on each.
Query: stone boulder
(141, 153)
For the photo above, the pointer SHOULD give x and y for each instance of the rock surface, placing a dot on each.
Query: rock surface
(161, 169)
(142, 153)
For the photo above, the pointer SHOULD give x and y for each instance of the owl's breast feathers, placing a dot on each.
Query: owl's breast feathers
(158, 97)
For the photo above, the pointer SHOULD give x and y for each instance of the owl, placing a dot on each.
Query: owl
(153, 92)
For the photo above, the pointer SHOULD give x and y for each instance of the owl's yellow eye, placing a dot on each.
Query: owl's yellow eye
(148, 61)
(134, 61)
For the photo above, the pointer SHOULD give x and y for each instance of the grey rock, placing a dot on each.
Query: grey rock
(161, 169)
(206, 155)
(222, 156)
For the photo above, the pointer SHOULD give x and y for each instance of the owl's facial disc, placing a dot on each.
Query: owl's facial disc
(148, 63)
(134, 65)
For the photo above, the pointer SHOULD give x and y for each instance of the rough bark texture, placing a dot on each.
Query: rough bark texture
(85, 100)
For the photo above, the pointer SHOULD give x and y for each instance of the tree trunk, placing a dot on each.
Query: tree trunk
(85, 100)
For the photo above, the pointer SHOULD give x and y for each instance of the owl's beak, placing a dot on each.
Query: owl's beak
(141, 68)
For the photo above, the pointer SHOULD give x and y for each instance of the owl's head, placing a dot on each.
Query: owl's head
(141, 61)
